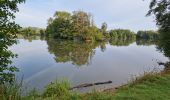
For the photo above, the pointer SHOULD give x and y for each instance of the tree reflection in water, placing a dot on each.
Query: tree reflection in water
(164, 45)
(79, 53)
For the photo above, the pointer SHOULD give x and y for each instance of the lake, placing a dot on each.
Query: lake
(42, 61)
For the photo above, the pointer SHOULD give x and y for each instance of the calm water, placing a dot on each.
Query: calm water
(43, 61)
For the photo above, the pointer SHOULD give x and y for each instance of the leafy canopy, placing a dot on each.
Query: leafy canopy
(161, 10)
(8, 30)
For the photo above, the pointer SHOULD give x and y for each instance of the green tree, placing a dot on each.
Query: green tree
(8, 30)
(49, 21)
(60, 25)
(151, 35)
(104, 27)
(81, 23)
(78, 25)
(161, 10)
(121, 34)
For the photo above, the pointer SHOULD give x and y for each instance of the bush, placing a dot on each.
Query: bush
(57, 89)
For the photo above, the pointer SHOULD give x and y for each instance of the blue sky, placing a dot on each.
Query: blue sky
(127, 14)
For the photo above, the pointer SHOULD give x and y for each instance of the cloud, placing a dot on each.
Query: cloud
(118, 14)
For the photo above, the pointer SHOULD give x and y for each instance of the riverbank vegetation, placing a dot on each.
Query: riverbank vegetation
(31, 31)
(80, 25)
(8, 31)
(150, 86)
(147, 35)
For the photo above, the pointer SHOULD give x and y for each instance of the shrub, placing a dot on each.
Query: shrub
(57, 89)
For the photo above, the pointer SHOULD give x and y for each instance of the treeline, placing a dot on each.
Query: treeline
(31, 31)
(151, 35)
(122, 34)
(80, 25)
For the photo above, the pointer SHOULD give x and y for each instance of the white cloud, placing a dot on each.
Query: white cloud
(117, 13)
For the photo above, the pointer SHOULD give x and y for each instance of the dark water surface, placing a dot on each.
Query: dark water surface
(43, 61)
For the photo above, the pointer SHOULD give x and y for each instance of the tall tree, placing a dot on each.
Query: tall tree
(104, 27)
(161, 10)
(60, 25)
(81, 23)
(8, 30)
(76, 25)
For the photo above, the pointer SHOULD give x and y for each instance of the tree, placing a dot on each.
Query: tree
(81, 23)
(50, 20)
(62, 15)
(104, 27)
(121, 34)
(161, 10)
(60, 25)
(78, 25)
(151, 35)
(8, 30)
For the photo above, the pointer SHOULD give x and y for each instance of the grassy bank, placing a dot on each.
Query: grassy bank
(151, 86)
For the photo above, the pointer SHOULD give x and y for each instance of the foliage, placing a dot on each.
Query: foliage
(104, 28)
(78, 25)
(11, 91)
(161, 10)
(151, 86)
(164, 43)
(57, 89)
(8, 30)
(122, 34)
(151, 35)
(30, 31)
(60, 26)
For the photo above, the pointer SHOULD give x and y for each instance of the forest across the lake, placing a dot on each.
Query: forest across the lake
(80, 26)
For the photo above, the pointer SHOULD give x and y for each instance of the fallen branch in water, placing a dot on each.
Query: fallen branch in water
(90, 84)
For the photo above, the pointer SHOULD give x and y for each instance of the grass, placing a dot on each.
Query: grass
(10, 91)
(151, 86)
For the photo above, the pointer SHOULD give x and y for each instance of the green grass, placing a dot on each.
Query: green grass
(151, 86)
(10, 91)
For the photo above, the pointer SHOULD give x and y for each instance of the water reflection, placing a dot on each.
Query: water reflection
(79, 53)
(31, 38)
(146, 42)
(164, 43)
(42, 61)
(164, 47)
(121, 42)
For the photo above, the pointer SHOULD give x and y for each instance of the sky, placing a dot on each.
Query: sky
(126, 14)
